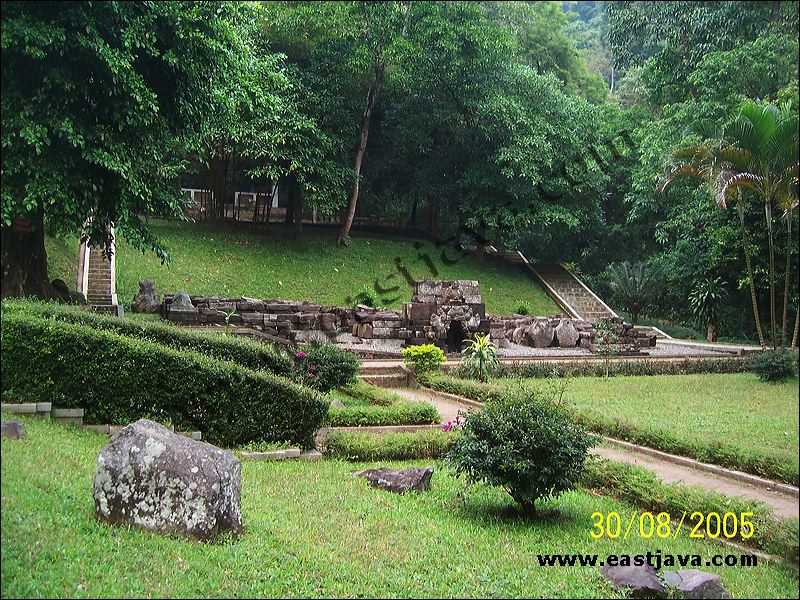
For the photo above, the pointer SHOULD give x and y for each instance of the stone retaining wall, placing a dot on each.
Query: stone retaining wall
(440, 312)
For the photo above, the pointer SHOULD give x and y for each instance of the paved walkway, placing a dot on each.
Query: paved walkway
(783, 505)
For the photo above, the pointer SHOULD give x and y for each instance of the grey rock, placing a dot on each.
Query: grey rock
(642, 581)
(156, 479)
(519, 335)
(13, 430)
(696, 584)
(399, 482)
(540, 333)
(566, 334)
(146, 301)
(181, 301)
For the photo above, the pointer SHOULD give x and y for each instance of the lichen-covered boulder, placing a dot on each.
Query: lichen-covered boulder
(154, 478)
(641, 580)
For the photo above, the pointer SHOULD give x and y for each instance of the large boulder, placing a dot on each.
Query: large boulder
(13, 430)
(692, 583)
(566, 334)
(642, 581)
(154, 478)
(540, 333)
(146, 301)
(391, 480)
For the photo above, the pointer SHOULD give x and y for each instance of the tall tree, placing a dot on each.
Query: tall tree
(103, 104)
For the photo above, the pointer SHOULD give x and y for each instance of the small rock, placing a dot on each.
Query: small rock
(156, 479)
(641, 580)
(696, 584)
(566, 334)
(337, 403)
(392, 480)
(13, 430)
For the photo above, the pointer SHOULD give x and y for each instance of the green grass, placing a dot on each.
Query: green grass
(310, 530)
(735, 410)
(215, 261)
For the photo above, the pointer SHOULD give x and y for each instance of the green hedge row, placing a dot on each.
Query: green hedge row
(726, 455)
(408, 413)
(359, 446)
(119, 379)
(643, 488)
(363, 393)
(615, 369)
(247, 353)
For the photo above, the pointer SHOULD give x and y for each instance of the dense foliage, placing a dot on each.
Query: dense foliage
(538, 126)
(118, 379)
(424, 359)
(325, 367)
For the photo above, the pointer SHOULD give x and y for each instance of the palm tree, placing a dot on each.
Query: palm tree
(631, 286)
(756, 154)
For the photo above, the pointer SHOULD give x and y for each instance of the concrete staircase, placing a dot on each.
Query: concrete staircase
(571, 295)
(97, 279)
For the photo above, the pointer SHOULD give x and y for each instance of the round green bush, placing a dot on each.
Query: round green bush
(424, 359)
(524, 443)
(330, 367)
(523, 308)
(774, 365)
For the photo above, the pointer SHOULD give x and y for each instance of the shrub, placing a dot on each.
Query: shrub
(331, 367)
(467, 388)
(424, 359)
(360, 446)
(774, 365)
(119, 379)
(368, 297)
(408, 413)
(524, 443)
(479, 357)
(247, 353)
(523, 308)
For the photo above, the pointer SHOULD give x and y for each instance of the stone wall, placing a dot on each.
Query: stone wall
(440, 312)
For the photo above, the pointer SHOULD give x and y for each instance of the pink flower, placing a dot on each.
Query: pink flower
(310, 374)
(300, 355)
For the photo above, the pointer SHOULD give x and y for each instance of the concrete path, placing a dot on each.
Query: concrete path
(784, 505)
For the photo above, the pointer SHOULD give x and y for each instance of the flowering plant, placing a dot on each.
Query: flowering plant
(461, 419)
(302, 371)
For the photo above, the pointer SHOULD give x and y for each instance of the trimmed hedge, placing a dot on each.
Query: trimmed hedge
(363, 393)
(643, 488)
(360, 446)
(616, 369)
(247, 353)
(119, 379)
(409, 413)
(726, 455)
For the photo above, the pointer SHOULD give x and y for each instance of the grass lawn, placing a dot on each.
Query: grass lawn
(310, 530)
(730, 409)
(222, 262)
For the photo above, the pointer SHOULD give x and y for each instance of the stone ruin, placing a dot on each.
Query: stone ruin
(444, 313)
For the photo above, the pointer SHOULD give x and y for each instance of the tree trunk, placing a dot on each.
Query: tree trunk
(786, 277)
(711, 332)
(753, 297)
(290, 199)
(24, 260)
(796, 327)
(372, 97)
(772, 320)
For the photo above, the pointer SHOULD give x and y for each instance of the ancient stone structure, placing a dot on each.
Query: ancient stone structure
(153, 478)
(416, 479)
(444, 313)
(146, 301)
